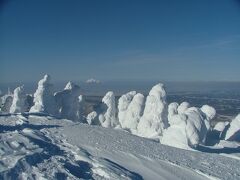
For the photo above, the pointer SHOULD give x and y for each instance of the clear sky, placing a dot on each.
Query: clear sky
(171, 40)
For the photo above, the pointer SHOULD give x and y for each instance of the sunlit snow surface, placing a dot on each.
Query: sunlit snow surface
(40, 147)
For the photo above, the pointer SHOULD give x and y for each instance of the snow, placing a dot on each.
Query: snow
(189, 126)
(154, 119)
(130, 110)
(6, 103)
(134, 113)
(123, 104)
(69, 103)
(108, 117)
(19, 103)
(196, 129)
(220, 126)
(48, 148)
(233, 132)
(140, 138)
(44, 100)
(175, 135)
(183, 107)
(92, 118)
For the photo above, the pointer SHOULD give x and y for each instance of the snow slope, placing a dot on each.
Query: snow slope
(41, 147)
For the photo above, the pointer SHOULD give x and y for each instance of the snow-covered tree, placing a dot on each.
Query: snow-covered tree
(175, 135)
(6, 102)
(154, 119)
(134, 113)
(233, 132)
(19, 103)
(196, 129)
(44, 100)
(69, 102)
(123, 104)
(209, 113)
(108, 117)
(183, 107)
(188, 126)
(92, 118)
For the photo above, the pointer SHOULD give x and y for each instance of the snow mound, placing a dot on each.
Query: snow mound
(233, 133)
(44, 100)
(154, 119)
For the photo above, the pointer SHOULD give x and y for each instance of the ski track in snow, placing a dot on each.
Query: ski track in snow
(37, 147)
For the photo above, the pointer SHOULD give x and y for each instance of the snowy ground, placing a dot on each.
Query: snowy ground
(40, 147)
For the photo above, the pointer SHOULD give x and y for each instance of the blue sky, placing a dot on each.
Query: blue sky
(168, 40)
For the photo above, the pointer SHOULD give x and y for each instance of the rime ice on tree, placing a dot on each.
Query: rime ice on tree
(154, 119)
(19, 103)
(44, 100)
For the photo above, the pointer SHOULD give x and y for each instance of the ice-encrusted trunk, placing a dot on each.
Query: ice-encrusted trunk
(154, 119)
(19, 104)
(44, 100)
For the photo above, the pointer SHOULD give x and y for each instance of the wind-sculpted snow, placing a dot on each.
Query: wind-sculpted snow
(44, 100)
(70, 102)
(46, 148)
(19, 103)
(233, 132)
(32, 153)
(154, 119)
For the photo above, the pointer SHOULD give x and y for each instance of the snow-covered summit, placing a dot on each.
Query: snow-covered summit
(92, 81)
